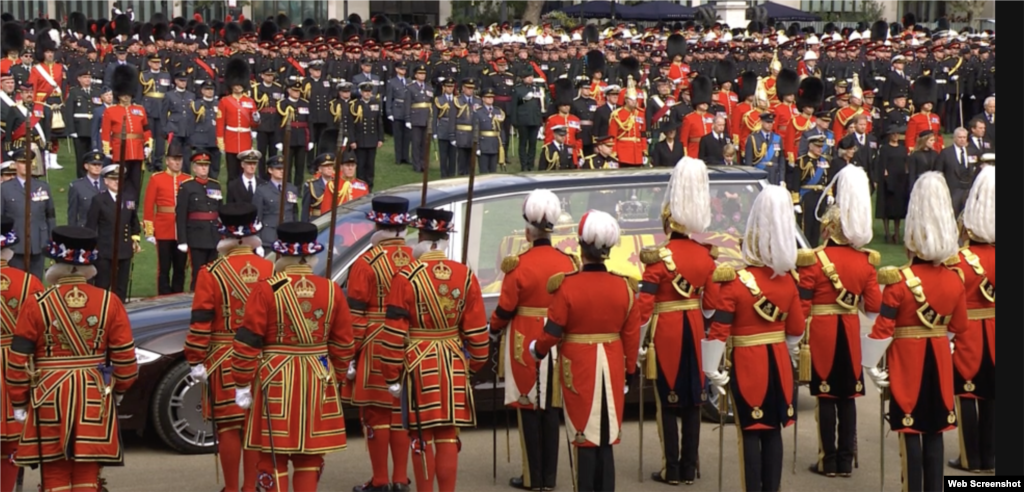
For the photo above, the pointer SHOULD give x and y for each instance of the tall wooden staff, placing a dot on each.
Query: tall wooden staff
(27, 246)
(342, 141)
(120, 201)
(285, 151)
(426, 165)
(881, 430)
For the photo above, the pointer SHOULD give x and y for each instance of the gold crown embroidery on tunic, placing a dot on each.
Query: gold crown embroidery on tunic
(5, 283)
(249, 273)
(76, 298)
(442, 271)
(304, 288)
(401, 258)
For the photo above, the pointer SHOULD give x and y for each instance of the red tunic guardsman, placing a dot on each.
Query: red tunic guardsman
(788, 84)
(71, 360)
(628, 127)
(237, 116)
(16, 286)
(856, 107)
(159, 225)
(699, 122)
(923, 303)
(598, 339)
(434, 339)
(218, 308)
(132, 120)
(924, 94)
(770, 82)
(350, 187)
(809, 97)
(369, 282)
(47, 78)
(677, 287)
(531, 388)
(746, 88)
(974, 360)
(834, 279)
(758, 317)
(679, 71)
(294, 345)
(571, 123)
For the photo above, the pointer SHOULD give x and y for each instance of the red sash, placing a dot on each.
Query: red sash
(205, 67)
(540, 73)
(302, 71)
(665, 108)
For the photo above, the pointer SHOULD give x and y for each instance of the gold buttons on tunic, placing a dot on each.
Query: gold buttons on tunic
(757, 413)
(908, 421)
(824, 387)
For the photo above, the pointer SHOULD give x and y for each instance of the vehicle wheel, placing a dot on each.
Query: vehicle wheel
(177, 412)
(709, 410)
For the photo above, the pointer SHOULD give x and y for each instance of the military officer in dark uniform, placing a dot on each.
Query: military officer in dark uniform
(180, 119)
(896, 113)
(896, 81)
(466, 105)
(294, 110)
(268, 204)
(603, 156)
(101, 218)
(488, 134)
(203, 136)
(42, 216)
(366, 134)
(503, 83)
(155, 83)
(529, 103)
(420, 100)
(313, 189)
(199, 201)
(78, 116)
(556, 155)
(444, 127)
(806, 184)
(267, 93)
(318, 91)
(396, 101)
(764, 150)
(584, 107)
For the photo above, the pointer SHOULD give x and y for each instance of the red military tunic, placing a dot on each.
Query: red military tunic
(695, 126)
(769, 88)
(350, 190)
(597, 92)
(160, 200)
(679, 74)
(69, 330)
(523, 308)
(834, 279)
(750, 123)
(437, 304)
(16, 286)
(758, 349)
(136, 127)
(598, 338)
(671, 297)
(218, 308)
(572, 139)
(784, 114)
(369, 282)
(915, 329)
(235, 123)
(628, 129)
(7, 62)
(727, 100)
(295, 342)
(843, 117)
(736, 123)
(920, 122)
(791, 139)
(44, 88)
(974, 359)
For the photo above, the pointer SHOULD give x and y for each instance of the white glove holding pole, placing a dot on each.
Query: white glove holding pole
(408, 124)
(712, 351)
(793, 344)
(147, 150)
(533, 351)
(310, 146)
(872, 350)
(198, 372)
(477, 152)
(351, 374)
(831, 200)
(453, 142)
(20, 414)
(279, 147)
(117, 399)
(528, 96)
(952, 345)
(256, 118)
(183, 248)
(798, 209)
(391, 118)
(152, 240)
(243, 397)
(395, 390)
(253, 135)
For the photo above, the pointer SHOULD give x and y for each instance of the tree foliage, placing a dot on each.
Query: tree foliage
(487, 12)
(967, 10)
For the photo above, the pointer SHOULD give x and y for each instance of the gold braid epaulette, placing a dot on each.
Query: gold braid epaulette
(509, 263)
(888, 275)
(555, 282)
(631, 282)
(874, 257)
(724, 273)
(650, 255)
(805, 257)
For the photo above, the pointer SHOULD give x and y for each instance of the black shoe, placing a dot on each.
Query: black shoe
(519, 483)
(656, 476)
(814, 469)
(955, 463)
(401, 487)
(368, 487)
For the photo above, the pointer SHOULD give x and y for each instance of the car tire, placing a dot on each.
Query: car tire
(176, 412)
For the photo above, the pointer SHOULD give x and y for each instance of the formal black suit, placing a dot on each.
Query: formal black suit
(238, 193)
(959, 171)
(710, 149)
(101, 218)
(986, 147)
(990, 127)
(603, 118)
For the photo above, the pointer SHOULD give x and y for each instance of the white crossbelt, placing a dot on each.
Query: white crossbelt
(82, 115)
(236, 129)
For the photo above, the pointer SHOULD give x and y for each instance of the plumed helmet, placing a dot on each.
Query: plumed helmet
(687, 205)
(700, 90)
(125, 81)
(598, 233)
(924, 90)
(541, 209)
(811, 93)
(787, 82)
(770, 236)
(979, 217)
(931, 231)
(849, 220)
(236, 72)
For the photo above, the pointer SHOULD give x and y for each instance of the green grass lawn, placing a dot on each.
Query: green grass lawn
(388, 175)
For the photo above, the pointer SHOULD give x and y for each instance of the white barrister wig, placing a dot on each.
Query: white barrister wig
(599, 230)
(542, 209)
(980, 210)
(688, 198)
(854, 192)
(931, 231)
(770, 238)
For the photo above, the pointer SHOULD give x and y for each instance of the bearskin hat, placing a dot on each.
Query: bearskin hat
(349, 30)
(355, 19)
(426, 34)
(564, 92)
(879, 30)
(78, 23)
(675, 45)
(298, 33)
(628, 66)
(594, 61)
(12, 38)
(725, 71)
(125, 81)
(236, 72)
(267, 30)
(788, 82)
(308, 21)
(942, 24)
(909, 19)
(700, 90)
(201, 32)
(160, 30)
(283, 22)
(924, 90)
(232, 33)
(380, 20)
(43, 43)
(385, 33)
(461, 34)
(746, 86)
(248, 26)
(810, 94)
(312, 32)
(793, 31)
(146, 32)
(179, 21)
(333, 31)
(121, 25)
(591, 34)
(6, 17)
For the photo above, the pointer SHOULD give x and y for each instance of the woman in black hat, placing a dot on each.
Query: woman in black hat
(893, 193)
(668, 151)
(922, 158)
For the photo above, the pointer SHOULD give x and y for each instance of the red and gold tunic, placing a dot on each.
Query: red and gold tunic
(350, 190)
(44, 89)
(834, 279)
(628, 129)
(791, 139)
(672, 296)
(523, 309)
(843, 117)
(16, 286)
(736, 123)
(572, 126)
(920, 122)
(67, 332)
(218, 308)
(784, 114)
(294, 346)
(136, 127)
(369, 282)
(679, 74)
(974, 359)
(728, 100)
(437, 304)
(750, 123)
(235, 123)
(755, 312)
(598, 338)
(695, 126)
(158, 208)
(920, 303)
(771, 91)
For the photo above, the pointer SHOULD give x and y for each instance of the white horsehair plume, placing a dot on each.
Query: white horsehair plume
(931, 231)
(542, 206)
(599, 229)
(688, 197)
(770, 238)
(980, 210)
(854, 191)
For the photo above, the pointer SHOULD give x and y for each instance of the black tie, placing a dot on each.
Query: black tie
(963, 162)
(249, 186)
(278, 188)
(97, 183)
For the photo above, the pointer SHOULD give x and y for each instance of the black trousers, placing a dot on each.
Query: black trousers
(977, 433)
(680, 468)
(762, 460)
(297, 166)
(488, 163)
(833, 458)
(401, 136)
(596, 466)
(199, 258)
(527, 147)
(103, 278)
(35, 266)
(266, 143)
(540, 433)
(922, 454)
(316, 130)
(366, 159)
(82, 146)
(809, 223)
(156, 159)
(186, 154)
(465, 159)
(234, 166)
(588, 149)
(171, 272)
(449, 156)
(132, 180)
(418, 159)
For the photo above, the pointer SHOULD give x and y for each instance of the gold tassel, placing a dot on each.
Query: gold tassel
(805, 363)
(652, 364)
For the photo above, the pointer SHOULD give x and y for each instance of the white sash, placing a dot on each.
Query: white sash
(6, 99)
(46, 76)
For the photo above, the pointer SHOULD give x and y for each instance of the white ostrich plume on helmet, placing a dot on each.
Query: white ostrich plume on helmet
(688, 198)
(542, 209)
(980, 210)
(770, 238)
(931, 231)
(854, 192)
(599, 229)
